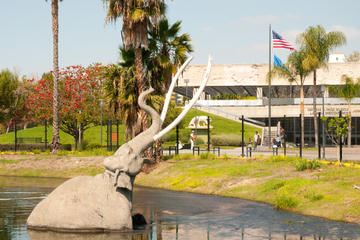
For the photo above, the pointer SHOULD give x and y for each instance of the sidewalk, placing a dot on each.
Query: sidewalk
(349, 154)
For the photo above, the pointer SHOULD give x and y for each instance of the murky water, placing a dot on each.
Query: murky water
(172, 215)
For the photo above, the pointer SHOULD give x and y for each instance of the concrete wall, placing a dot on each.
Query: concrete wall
(255, 75)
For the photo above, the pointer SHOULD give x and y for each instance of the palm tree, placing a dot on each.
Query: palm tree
(317, 44)
(348, 91)
(121, 90)
(55, 143)
(167, 52)
(137, 17)
(295, 72)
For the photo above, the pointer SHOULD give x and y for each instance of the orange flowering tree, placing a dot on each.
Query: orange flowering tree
(79, 94)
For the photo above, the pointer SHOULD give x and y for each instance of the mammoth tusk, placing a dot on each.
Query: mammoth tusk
(171, 88)
(189, 106)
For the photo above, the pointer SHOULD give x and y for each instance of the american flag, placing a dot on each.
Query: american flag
(280, 42)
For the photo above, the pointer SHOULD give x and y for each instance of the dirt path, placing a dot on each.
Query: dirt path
(49, 161)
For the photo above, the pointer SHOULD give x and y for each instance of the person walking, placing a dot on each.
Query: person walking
(257, 140)
(192, 139)
(282, 136)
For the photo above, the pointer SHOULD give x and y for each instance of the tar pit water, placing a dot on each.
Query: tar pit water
(171, 215)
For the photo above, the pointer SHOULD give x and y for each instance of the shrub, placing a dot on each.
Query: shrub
(62, 153)
(66, 147)
(283, 201)
(207, 155)
(226, 140)
(90, 146)
(200, 141)
(303, 164)
(312, 196)
(166, 157)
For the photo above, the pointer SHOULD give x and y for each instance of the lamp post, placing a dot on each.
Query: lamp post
(101, 108)
(323, 89)
(186, 82)
(79, 128)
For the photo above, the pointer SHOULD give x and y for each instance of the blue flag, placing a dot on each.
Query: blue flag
(278, 63)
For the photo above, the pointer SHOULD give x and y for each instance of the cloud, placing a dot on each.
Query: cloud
(291, 35)
(253, 49)
(267, 19)
(350, 32)
(208, 29)
(260, 20)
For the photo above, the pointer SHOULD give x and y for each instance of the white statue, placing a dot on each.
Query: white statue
(199, 121)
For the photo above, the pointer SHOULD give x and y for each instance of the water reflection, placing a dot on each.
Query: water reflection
(174, 215)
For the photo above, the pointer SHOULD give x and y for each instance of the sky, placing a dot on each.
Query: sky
(232, 31)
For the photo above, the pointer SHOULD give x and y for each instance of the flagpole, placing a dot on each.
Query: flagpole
(269, 119)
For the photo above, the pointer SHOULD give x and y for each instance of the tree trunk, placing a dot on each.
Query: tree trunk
(141, 86)
(314, 112)
(158, 144)
(349, 134)
(302, 111)
(338, 154)
(55, 144)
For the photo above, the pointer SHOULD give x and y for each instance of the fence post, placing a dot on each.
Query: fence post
(242, 136)
(208, 122)
(301, 130)
(177, 139)
(111, 123)
(319, 145)
(117, 134)
(107, 135)
(45, 134)
(340, 115)
(15, 147)
(284, 136)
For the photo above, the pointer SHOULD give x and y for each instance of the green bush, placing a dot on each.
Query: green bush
(226, 140)
(62, 153)
(207, 155)
(312, 196)
(166, 157)
(283, 201)
(304, 164)
(91, 146)
(200, 141)
(66, 147)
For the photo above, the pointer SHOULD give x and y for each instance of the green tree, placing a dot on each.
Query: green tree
(55, 143)
(121, 91)
(337, 128)
(353, 57)
(137, 17)
(317, 44)
(168, 50)
(8, 85)
(348, 91)
(294, 71)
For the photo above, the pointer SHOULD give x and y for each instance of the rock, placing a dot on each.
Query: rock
(84, 204)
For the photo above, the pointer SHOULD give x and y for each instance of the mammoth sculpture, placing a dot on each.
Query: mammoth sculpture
(199, 121)
(104, 202)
